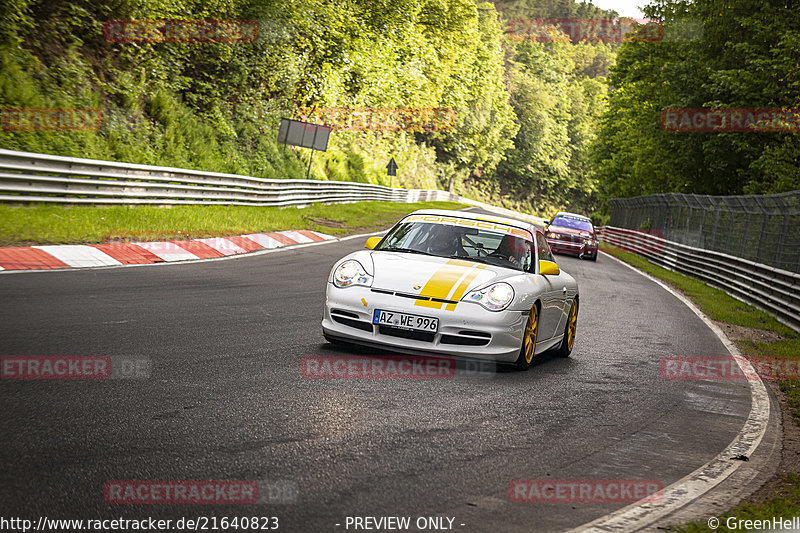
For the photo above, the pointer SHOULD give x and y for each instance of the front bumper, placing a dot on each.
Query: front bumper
(468, 331)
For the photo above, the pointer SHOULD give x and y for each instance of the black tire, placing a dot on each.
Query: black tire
(594, 257)
(530, 335)
(569, 331)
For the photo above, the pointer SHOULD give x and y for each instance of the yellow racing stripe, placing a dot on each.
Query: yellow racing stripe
(443, 280)
(462, 287)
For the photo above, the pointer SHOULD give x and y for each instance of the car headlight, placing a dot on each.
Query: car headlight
(552, 235)
(351, 273)
(494, 298)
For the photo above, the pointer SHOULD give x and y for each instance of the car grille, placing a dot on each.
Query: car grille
(569, 238)
(350, 319)
(467, 338)
(406, 334)
(464, 337)
(414, 296)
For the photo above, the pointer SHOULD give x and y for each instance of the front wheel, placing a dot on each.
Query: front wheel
(529, 340)
(569, 331)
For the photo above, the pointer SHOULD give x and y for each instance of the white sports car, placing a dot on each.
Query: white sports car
(454, 283)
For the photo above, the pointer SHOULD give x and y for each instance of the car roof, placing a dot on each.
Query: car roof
(573, 215)
(480, 216)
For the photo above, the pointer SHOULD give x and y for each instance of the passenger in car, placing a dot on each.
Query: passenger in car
(513, 249)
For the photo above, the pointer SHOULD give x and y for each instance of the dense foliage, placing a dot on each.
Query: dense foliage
(523, 110)
(746, 55)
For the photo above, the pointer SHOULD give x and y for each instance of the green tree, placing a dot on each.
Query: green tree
(745, 57)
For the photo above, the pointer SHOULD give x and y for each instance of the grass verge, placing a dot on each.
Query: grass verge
(784, 500)
(59, 224)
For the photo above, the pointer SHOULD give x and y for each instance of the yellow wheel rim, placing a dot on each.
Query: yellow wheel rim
(531, 329)
(572, 325)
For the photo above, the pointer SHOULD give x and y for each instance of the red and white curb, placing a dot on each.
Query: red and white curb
(137, 253)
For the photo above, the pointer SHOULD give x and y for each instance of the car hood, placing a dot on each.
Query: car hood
(434, 277)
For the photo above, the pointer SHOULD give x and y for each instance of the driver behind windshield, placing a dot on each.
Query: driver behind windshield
(445, 241)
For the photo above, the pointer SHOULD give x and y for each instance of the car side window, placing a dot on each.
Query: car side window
(544, 249)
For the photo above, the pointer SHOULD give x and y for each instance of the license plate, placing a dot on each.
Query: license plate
(405, 321)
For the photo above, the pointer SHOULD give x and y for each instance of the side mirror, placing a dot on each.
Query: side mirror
(372, 242)
(548, 268)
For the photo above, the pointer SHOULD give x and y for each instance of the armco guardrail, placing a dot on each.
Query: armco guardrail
(771, 289)
(31, 177)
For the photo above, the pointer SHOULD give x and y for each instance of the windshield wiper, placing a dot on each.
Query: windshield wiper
(469, 258)
(406, 250)
(483, 260)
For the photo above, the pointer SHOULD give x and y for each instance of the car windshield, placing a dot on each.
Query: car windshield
(495, 244)
(572, 222)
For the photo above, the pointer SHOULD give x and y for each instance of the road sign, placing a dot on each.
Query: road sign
(391, 168)
(305, 134)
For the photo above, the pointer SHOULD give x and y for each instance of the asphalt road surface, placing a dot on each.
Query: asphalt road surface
(225, 400)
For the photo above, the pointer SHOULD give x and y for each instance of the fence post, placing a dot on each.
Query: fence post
(716, 225)
(632, 212)
(704, 208)
(763, 233)
(744, 235)
(730, 226)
